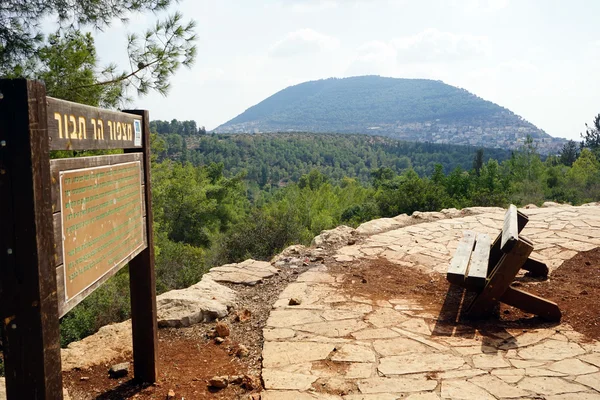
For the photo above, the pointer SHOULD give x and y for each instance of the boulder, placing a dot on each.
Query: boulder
(249, 272)
(334, 237)
(110, 342)
(119, 370)
(451, 213)
(202, 302)
(296, 250)
(222, 329)
(428, 216)
(219, 382)
(481, 210)
(548, 204)
(380, 225)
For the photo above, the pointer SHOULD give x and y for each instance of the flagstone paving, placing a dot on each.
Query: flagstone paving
(336, 345)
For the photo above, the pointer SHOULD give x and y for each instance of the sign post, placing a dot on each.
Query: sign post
(66, 226)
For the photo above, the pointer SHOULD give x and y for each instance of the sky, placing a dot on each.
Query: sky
(538, 58)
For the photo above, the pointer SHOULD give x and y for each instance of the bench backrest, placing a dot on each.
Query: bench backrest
(510, 229)
(497, 250)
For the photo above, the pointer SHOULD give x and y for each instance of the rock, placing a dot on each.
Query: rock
(295, 261)
(249, 272)
(109, 343)
(222, 329)
(202, 302)
(379, 225)
(219, 340)
(548, 204)
(428, 215)
(243, 316)
(219, 382)
(251, 383)
(289, 252)
(254, 396)
(334, 237)
(530, 206)
(242, 351)
(294, 301)
(467, 211)
(316, 252)
(403, 219)
(171, 394)
(236, 379)
(451, 212)
(119, 370)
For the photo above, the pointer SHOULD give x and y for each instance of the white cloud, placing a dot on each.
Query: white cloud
(303, 41)
(426, 54)
(432, 45)
(374, 58)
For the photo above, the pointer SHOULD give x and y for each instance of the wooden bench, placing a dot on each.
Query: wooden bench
(490, 268)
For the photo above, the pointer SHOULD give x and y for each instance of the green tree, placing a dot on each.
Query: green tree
(569, 153)
(69, 60)
(591, 138)
(154, 56)
(585, 171)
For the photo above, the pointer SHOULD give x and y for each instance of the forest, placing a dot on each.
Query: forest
(274, 159)
(217, 201)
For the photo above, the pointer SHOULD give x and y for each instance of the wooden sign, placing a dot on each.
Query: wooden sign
(102, 222)
(73, 126)
(67, 225)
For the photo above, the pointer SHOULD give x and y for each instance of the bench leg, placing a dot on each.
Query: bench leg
(531, 303)
(536, 267)
(502, 276)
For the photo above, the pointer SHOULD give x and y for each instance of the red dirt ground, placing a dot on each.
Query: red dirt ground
(185, 366)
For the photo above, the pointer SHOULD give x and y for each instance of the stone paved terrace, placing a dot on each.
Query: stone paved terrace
(355, 348)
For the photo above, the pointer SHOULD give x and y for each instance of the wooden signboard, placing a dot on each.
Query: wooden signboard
(102, 222)
(73, 126)
(68, 225)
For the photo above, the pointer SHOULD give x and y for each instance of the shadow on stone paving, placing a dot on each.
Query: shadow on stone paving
(452, 322)
(125, 390)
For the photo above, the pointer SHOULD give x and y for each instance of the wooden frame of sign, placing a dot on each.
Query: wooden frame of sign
(66, 226)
